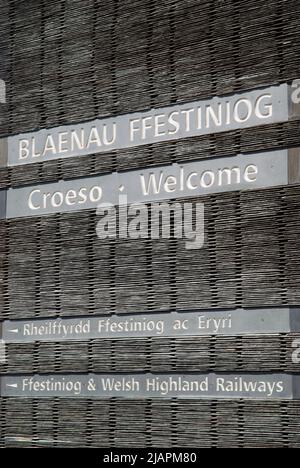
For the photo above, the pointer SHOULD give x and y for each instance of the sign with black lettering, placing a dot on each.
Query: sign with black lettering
(139, 386)
(240, 172)
(172, 324)
(219, 114)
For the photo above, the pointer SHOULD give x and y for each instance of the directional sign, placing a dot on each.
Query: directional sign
(212, 175)
(219, 114)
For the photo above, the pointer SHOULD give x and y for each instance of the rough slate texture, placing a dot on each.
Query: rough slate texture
(68, 61)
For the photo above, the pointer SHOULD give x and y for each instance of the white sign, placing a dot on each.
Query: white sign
(169, 324)
(140, 386)
(241, 172)
(2, 92)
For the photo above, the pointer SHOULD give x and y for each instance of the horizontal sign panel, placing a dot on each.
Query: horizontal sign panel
(172, 324)
(197, 386)
(219, 114)
(241, 172)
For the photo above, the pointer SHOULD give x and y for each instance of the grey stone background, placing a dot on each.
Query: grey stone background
(69, 61)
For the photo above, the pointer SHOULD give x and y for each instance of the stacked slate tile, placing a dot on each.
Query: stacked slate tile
(68, 61)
